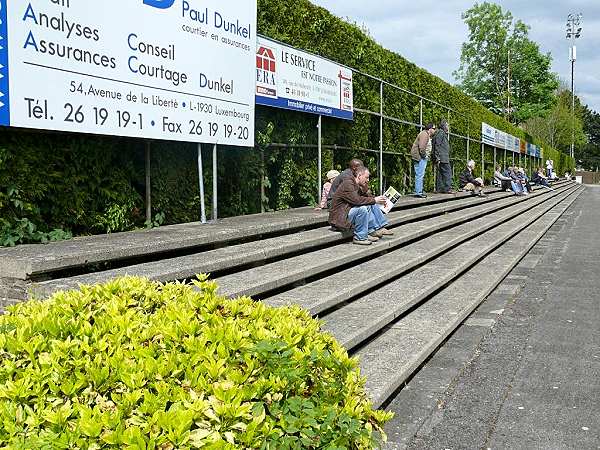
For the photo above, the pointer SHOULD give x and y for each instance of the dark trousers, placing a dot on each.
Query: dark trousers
(505, 185)
(443, 180)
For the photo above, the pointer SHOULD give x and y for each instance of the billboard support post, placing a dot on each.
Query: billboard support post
(201, 185)
(148, 183)
(319, 158)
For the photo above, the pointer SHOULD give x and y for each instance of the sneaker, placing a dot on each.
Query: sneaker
(377, 233)
(386, 232)
(422, 195)
(372, 238)
(482, 194)
(361, 242)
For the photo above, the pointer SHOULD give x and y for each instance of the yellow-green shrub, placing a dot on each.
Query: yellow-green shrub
(143, 365)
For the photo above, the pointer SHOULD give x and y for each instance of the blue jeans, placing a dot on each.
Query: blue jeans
(516, 187)
(365, 220)
(420, 167)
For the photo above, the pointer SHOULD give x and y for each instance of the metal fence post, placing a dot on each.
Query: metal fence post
(421, 113)
(380, 137)
(148, 184)
(482, 160)
(262, 180)
(214, 195)
(319, 159)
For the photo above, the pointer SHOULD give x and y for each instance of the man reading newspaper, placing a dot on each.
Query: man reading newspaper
(391, 196)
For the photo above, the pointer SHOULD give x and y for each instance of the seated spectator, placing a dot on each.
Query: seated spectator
(541, 179)
(524, 179)
(517, 182)
(350, 172)
(353, 208)
(468, 182)
(503, 181)
(331, 176)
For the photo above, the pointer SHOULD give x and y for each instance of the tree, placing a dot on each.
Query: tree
(497, 41)
(556, 127)
(588, 155)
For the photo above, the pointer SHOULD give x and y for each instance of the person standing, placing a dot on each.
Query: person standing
(441, 156)
(420, 153)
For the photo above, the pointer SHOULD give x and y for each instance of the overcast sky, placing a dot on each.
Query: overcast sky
(430, 33)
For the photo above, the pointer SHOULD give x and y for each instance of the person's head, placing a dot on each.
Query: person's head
(471, 164)
(444, 125)
(362, 175)
(331, 175)
(354, 164)
(498, 167)
(430, 128)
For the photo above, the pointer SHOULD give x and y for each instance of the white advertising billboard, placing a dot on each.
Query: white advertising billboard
(161, 69)
(500, 139)
(488, 134)
(510, 142)
(292, 79)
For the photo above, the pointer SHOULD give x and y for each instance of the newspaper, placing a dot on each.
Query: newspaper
(392, 196)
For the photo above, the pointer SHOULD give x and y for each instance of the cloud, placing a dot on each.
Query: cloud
(430, 34)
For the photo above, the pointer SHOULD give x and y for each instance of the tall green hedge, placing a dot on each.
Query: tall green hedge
(96, 184)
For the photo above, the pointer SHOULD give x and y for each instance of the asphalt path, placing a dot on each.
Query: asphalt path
(523, 372)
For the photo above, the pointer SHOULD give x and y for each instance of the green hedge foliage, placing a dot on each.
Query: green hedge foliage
(96, 184)
(136, 364)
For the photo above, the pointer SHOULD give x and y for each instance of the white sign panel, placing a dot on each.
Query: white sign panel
(500, 139)
(510, 142)
(163, 69)
(488, 134)
(292, 79)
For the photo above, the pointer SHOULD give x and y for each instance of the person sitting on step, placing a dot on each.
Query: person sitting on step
(350, 172)
(524, 179)
(517, 183)
(541, 179)
(353, 208)
(503, 181)
(331, 176)
(468, 182)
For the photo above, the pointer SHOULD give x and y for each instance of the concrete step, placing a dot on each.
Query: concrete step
(359, 320)
(389, 359)
(249, 253)
(259, 280)
(26, 261)
(342, 286)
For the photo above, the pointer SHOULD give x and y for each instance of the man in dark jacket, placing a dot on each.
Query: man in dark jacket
(351, 208)
(350, 172)
(441, 156)
(468, 182)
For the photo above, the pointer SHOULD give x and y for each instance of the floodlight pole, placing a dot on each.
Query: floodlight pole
(573, 32)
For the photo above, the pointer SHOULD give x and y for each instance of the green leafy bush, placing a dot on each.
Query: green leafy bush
(141, 365)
